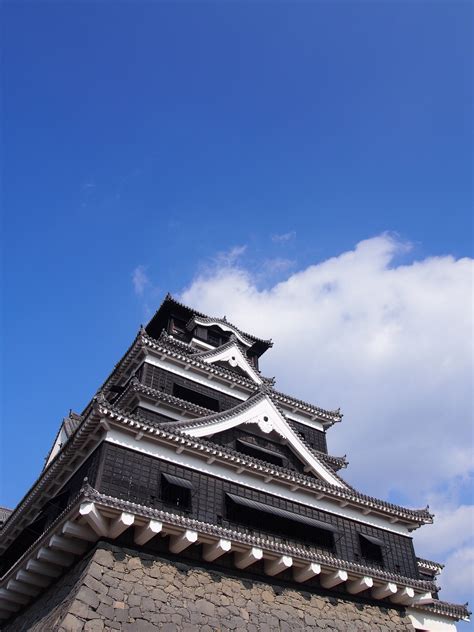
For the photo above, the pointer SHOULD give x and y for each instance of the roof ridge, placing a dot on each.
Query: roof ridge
(170, 297)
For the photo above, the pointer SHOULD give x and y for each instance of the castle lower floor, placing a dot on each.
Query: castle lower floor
(116, 588)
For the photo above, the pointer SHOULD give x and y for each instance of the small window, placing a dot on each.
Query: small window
(282, 523)
(178, 328)
(196, 398)
(176, 491)
(213, 338)
(258, 452)
(371, 548)
(216, 338)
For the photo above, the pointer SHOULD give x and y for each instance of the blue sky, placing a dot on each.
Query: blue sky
(161, 137)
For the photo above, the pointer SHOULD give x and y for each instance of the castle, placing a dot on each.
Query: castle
(190, 494)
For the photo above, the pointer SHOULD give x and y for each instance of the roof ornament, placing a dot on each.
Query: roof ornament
(265, 388)
(100, 398)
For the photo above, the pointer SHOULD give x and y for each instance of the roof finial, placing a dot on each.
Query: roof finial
(100, 398)
(265, 388)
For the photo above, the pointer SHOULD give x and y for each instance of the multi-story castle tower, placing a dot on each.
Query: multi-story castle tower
(190, 494)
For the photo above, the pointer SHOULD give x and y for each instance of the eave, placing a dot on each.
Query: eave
(136, 391)
(92, 516)
(429, 565)
(458, 612)
(326, 417)
(102, 415)
(260, 345)
(208, 450)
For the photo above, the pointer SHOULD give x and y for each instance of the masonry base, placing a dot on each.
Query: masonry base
(115, 588)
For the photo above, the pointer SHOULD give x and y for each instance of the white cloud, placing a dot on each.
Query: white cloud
(140, 280)
(390, 344)
(457, 578)
(453, 527)
(284, 237)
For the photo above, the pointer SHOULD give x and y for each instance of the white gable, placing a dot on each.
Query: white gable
(266, 415)
(233, 355)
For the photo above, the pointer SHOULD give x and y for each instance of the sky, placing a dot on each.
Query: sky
(303, 168)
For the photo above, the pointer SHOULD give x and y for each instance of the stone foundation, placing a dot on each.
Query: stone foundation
(120, 589)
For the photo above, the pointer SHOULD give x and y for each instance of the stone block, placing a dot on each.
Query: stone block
(95, 585)
(95, 570)
(96, 625)
(88, 596)
(72, 624)
(104, 558)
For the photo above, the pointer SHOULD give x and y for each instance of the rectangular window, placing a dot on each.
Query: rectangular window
(178, 328)
(176, 491)
(371, 548)
(280, 522)
(258, 452)
(196, 398)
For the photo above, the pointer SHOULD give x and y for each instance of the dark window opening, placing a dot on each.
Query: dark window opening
(371, 549)
(216, 338)
(213, 338)
(259, 516)
(200, 332)
(259, 453)
(177, 328)
(196, 398)
(176, 491)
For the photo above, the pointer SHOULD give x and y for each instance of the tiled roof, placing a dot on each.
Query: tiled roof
(223, 321)
(270, 542)
(71, 423)
(163, 345)
(453, 610)
(4, 514)
(428, 565)
(417, 516)
(267, 542)
(239, 408)
(135, 386)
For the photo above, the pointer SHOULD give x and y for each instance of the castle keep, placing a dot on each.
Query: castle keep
(191, 494)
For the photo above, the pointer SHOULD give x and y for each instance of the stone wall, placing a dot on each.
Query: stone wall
(120, 589)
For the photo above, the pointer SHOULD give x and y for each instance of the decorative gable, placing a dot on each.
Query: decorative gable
(231, 354)
(260, 410)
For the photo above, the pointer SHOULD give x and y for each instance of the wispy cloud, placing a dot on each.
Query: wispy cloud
(228, 258)
(140, 280)
(284, 237)
(277, 265)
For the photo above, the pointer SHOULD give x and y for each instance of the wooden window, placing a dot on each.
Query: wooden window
(176, 491)
(283, 523)
(371, 548)
(196, 398)
(258, 452)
